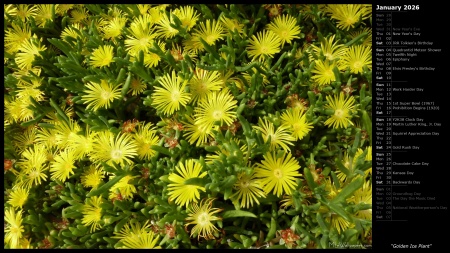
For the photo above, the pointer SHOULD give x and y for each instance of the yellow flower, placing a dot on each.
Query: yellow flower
(25, 139)
(203, 83)
(63, 166)
(102, 56)
(367, 42)
(109, 149)
(18, 197)
(323, 71)
(113, 29)
(123, 187)
(137, 86)
(209, 31)
(195, 133)
(82, 145)
(278, 174)
(66, 132)
(79, 15)
(164, 27)
(92, 212)
(26, 11)
(329, 48)
(181, 192)
(137, 237)
(342, 111)
(187, 15)
(279, 138)
(264, 45)
(356, 58)
(347, 15)
(248, 190)
(203, 216)
(141, 35)
(171, 95)
(152, 59)
(43, 14)
(13, 227)
(216, 107)
(295, 119)
(145, 137)
(285, 27)
(27, 52)
(363, 196)
(231, 24)
(15, 36)
(92, 177)
(100, 95)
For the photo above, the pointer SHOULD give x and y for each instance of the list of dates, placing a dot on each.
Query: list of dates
(408, 117)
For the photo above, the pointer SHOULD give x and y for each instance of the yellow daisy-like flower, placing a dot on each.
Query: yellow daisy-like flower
(164, 27)
(27, 52)
(43, 14)
(109, 149)
(171, 95)
(18, 197)
(152, 59)
(339, 223)
(143, 8)
(113, 29)
(347, 15)
(342, 110)
(295, 119)
(285, 27)
(92, 177)
(323, 71)
(279, 138)
(216, 107)
(196, 134)
(187, 15)
(141, 35)
(15, 36)
(203, 83)
(92, 213)
(13, 227)
(25, 139)
(32, 157)
(202, 216)
(351, 166)
(264, 45)
(26, 11)
(63, 166)
(133, 236)
(232, 24)
(100, 95)
(210, 32)
(145, 137)
(102, 56)
(82, 145)
(367, 42)
(123, 187)
(363, 196)
(278, 174)
(210, 158)
(65, 132)
(62, 9)
(248, 190)
(79, 15)
(356, 58)
(329, 48)
(137, 86)
(183, 193)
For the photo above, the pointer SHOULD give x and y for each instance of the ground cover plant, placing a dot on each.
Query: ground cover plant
(187, 126)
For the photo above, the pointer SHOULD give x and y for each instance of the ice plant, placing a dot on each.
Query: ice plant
(92, 213)
(248, 190)
(135, 236)
(278, 174)
(172, 95)
(119, 149)
(216, 107)
(264, 44)
(295, 119)
(343, 108)
(201, 216)
(323, 71)
(278, 138)
(285, 27)
(102, 56)
(181, 192)
(356, 58)
(100, 95)
(13, 227)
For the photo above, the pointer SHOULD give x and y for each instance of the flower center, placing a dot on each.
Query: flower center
(175, 96)
(278, 173)
(357, 64)
(245, 184)
(210, 39)
(339, 113)
(264, 49)
(217, 115)
(105, 95)
(116, 154)
(203, 219)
